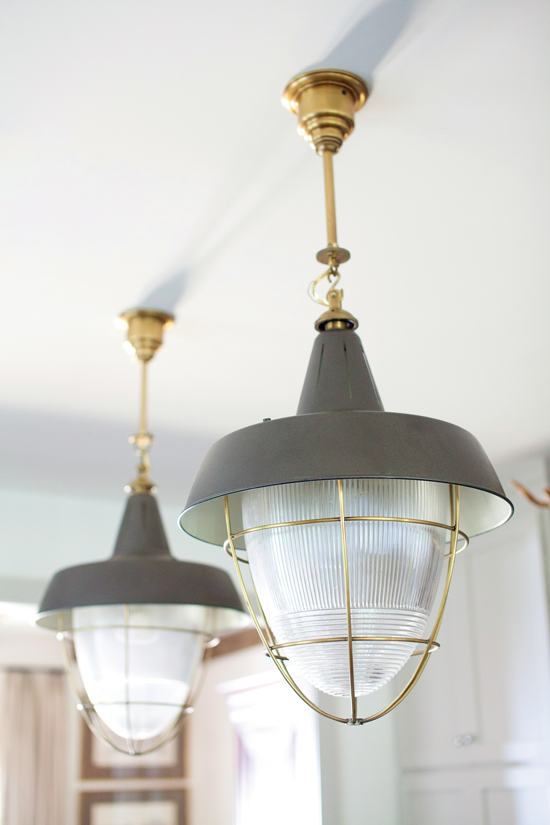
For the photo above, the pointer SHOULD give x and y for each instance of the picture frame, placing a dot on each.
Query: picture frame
(99, 761)
(124, 807)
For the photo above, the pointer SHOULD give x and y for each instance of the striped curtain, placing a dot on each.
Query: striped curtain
(33, 745)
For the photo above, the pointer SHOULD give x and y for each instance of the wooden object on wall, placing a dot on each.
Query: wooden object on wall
(99, 761)
(163, 807)
(233, 642)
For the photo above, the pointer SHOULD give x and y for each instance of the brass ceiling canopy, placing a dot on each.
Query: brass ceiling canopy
(325, 101)
(145, 328)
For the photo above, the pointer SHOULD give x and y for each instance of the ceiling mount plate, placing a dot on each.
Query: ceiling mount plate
(325, 101)
(145, 328)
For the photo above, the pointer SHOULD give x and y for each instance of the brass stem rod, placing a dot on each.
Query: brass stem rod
(143, 410)
(330, 200)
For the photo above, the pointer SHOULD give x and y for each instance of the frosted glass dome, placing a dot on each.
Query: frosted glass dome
(137, 662)
(394, 570)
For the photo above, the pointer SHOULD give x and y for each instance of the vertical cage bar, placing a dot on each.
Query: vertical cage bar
(130, 740)
(348, 600)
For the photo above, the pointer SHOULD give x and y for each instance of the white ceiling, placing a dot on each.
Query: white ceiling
(145, 153)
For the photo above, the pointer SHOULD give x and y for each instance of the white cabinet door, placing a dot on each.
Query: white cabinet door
(482, 795)
(443, 706)
(485, 696)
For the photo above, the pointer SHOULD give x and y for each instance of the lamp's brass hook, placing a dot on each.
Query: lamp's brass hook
(543, 503)
(330, 274)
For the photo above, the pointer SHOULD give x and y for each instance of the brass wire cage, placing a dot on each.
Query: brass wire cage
(273, 647)
(89, 709)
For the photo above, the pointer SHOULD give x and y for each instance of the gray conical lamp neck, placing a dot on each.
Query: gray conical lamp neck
(141, 531)
(338, 377)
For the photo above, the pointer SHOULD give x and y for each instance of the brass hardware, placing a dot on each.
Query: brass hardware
(337, 253)
(145, 330)
(431, 643)
(348, 518)
(330, 200)
(324, 640)
(336, 317)
(542, 503)
(145, 627)
(227, 548)
(348, 601)
(336, 295)
(325, 101)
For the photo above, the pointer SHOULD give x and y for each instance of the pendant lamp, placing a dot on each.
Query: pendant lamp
(136, 629)
(345, 514)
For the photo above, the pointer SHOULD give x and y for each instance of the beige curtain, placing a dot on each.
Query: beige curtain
(33, 743)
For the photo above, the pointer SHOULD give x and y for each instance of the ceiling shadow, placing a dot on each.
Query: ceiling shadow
(166, 294)
(364, 47)
(360, 51)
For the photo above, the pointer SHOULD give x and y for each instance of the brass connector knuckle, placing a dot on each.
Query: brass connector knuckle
(333, 253)
(336, 319)
(325, 101)
(145, 328)
(141, 485)
(142, 441)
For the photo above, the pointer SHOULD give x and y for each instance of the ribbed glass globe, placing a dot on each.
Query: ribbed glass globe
(394, 569)
(137, 662)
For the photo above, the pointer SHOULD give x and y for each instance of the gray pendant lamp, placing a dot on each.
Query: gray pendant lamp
(136, 628)
(345, 513)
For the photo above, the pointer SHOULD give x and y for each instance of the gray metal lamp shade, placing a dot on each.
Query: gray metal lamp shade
(341, 431)
(141, 571)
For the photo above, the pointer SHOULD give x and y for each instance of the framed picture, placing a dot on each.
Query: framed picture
(99, 761)
(133, 808)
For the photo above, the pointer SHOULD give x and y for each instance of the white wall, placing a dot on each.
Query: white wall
(212, 738)
(474, 735)
(358, 765)
(43, 532)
